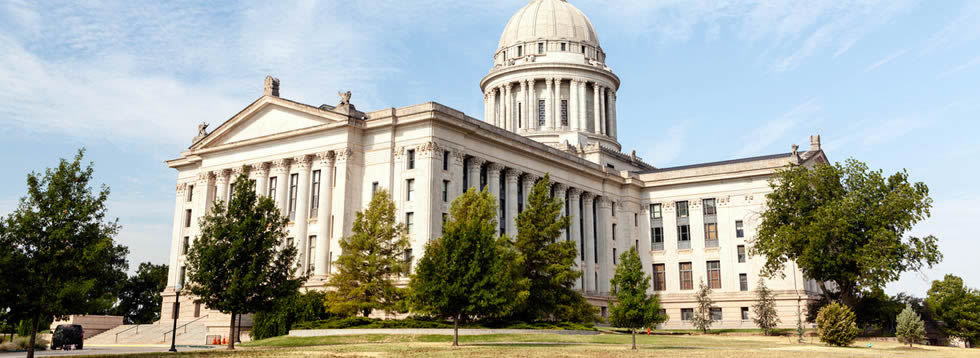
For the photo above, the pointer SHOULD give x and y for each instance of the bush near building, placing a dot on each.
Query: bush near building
(836, 325)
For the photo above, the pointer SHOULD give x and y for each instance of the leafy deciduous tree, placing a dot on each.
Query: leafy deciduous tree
(372, 259)
(240, 264)
(634, 308)
(956, 305)
(702, 313)
(845, 224)
(910, 328)
(58, 253)
(765, 308)
(139, 299)
(469, 271)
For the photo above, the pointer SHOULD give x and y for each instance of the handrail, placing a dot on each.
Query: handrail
(137, 327)
(184, 326)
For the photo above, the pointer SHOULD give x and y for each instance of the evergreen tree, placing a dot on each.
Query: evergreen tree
(469, 271)
(837, 325)
(57, 253)
(910, 328)
(702, 313)
(240, 264)
(634, 308)
(765, 308)
(139, 299)
(549, 260)
(371, 260)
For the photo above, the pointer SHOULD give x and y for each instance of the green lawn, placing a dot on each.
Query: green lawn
(550, 345)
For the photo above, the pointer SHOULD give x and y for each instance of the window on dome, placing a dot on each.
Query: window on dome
(564, 112)
(540, 113)
(563, 46)
(520, 51)
(583, 49)
(540, 47)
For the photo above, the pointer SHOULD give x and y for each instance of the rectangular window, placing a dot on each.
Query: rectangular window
(272, 187)
(411, 159)
(445, 191)
(659, 277)
(709, 207)
(293, 187)
(656, 211)
(408, 258)
(636, 220)
(714, 274)
(409, 189)
(190, 193)
(540, 47)
(187, 218)
(687, 314)
(520, 51)
(614, 209)
(374, 188)
(739, 231)
(687, 276)
(745, 313)
(657, 241)
(186, 245)
(743, 282)
(311, 253)
(445, 160)
(183, 275)
(444, 218)
(614, 232)
(614, 256)
(197, 310)
(520, 114)
(715, 313)
(563, 46)
(564, 112)
(683, 237)
(741, 253)
(409, 222)
(682, 209)
(711, 235)
(540, 113)
(315, 194)
(289, 241)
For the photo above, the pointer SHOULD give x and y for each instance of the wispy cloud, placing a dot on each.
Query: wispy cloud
(886, 59)
(762, 137)
(962, 30)
(664, 152)
(870, 133)
(971, 63)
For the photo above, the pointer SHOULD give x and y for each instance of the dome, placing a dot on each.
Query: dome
(548, 20)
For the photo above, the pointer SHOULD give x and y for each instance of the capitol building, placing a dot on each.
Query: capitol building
(550, 108)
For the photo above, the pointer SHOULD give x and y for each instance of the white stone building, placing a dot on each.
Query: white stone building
(550, 108)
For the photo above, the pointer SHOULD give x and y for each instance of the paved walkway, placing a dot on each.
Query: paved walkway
(435, 331)
(120, 350)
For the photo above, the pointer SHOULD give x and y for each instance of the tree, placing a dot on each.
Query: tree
(287, 311)
(910, 328)
(702, 313)
(549, 261)
(956, 305)
(239, 263)
(372, 259)
(836, 325)
(844, 224)
(58, 254)
(765, 308)
(469, 271)
(634, 308)
(139, 299)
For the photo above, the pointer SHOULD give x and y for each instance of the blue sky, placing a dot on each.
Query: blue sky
(891, 82)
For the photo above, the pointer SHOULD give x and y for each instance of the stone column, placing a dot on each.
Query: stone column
(560, 190)
(202, 200)
(323, 214)
(549, 117)
(338, 208)
(235, 173)
(529, 180)
(221, 181)
(612, 113)
(573, 104)
(596, 110)
(575, 217)
(590, 242)
(602, 110)
(458, 167)
(605, 243)
(474, 172)
(511, 217)
(521, 108)
(176, 239)
(532, 108)
(280, 170)
(493, 106)
(302, 164)
(493, 185)
(260, 174)
(509, 117)
(486, 107)
(582, 113)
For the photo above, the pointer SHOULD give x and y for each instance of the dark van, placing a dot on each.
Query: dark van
(67, 337)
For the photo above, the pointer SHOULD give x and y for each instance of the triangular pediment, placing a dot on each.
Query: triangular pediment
(268, 116)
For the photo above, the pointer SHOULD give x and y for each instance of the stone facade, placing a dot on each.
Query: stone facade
(322, 163)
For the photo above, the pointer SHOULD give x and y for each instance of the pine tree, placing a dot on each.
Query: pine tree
(765, 308)
(910, 328)
(372, 259)
(836, 325)
(549, 260)
(634, 308)
(702, 313)
(57, 252)
(239, 264)
(469, 271)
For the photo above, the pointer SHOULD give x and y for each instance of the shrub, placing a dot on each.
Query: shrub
(836, 326)
(305, 307)
(22, 343)
(910, 328)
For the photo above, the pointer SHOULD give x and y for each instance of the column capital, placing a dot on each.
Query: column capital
(259, 168)
(495, 167)
(204, 177)
(477, 160)
(548, 82)
(221, 175)
(523, 85)
(533, 178)
(574, 193)
(588, 196)
(560, 188)
(181, 189)
(458, 157)
(345, 154)
(236, 171)
(509, 85)
(513, 174)
(604, 202)
(327, 157)
(280, 165)
(303, 161)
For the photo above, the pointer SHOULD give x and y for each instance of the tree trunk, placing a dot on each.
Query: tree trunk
(634, 338)
(231, 332)
(30, 349)
(456, 331)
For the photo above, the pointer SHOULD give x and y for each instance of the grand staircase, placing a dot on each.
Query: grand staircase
(193, 332)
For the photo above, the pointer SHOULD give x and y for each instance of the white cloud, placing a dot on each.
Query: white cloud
(971, 63)
(963, 29)
(892, 56)
(760, 138)
(663, 153)
(870, 133)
